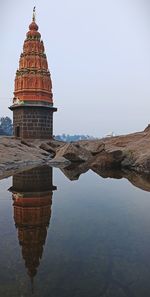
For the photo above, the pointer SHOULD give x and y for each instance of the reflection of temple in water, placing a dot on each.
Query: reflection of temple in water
(32, 195)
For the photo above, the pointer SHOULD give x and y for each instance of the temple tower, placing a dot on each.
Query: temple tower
(33, 99)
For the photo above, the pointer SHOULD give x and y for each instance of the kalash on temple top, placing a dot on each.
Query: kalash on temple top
(33, 83)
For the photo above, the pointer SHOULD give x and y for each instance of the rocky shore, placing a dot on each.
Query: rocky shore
(127, 153)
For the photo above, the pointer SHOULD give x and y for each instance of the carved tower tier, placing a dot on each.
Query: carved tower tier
(33, 99)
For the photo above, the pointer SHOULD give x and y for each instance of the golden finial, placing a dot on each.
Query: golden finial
(34, 14)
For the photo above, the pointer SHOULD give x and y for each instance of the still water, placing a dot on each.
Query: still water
(83, 238)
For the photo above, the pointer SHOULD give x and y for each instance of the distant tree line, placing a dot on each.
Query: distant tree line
(6, 126)
(69, 138)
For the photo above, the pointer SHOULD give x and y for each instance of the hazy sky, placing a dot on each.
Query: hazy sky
(99, 58)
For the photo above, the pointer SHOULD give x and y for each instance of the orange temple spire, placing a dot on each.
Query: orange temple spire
(33, 98)
(33, 81)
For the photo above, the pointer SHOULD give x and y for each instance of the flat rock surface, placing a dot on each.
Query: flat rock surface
(130, 152)
(134, 151)
(19, 155)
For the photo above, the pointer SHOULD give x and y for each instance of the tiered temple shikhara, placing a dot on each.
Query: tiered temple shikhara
(33, 99)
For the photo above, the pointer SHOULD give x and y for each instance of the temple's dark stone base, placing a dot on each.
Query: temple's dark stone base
(35, 122)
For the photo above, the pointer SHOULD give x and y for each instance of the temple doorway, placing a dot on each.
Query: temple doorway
(17, 134)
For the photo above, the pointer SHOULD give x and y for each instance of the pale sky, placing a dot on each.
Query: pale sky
(98, 53)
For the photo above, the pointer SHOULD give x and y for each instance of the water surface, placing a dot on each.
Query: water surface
(85, 238)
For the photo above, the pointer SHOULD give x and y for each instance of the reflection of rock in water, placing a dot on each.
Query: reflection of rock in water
(74, 171)
(141, 181)
(32, 195)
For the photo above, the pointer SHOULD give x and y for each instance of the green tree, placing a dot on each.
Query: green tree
(6, 126)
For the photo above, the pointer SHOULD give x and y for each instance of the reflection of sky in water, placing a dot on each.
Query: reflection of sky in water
(98, 241)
